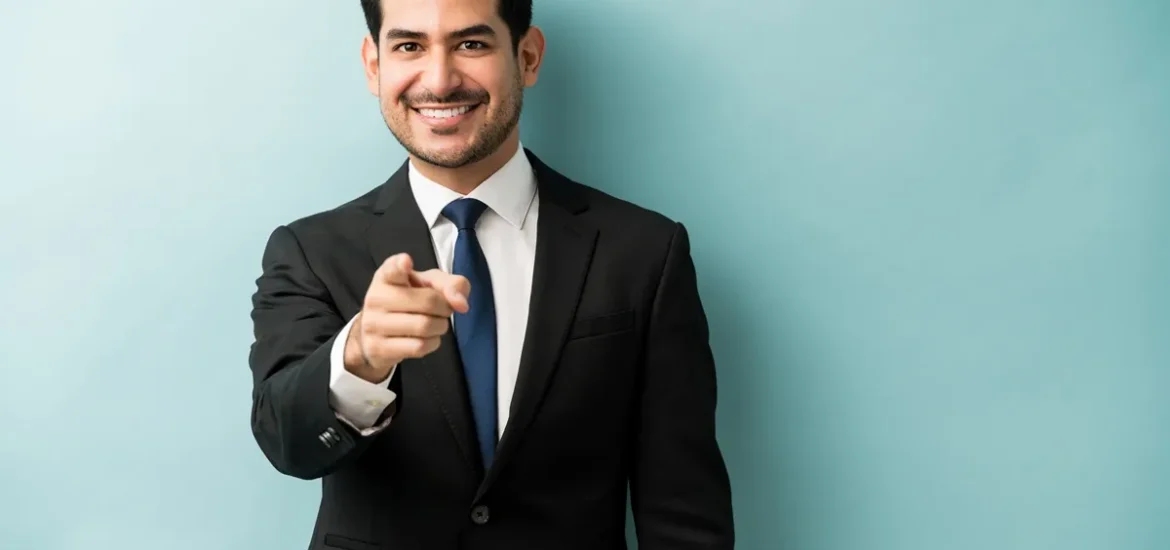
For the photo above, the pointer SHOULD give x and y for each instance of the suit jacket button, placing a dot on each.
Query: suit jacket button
(480, 515)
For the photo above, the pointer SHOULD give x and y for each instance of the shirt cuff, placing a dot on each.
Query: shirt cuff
(356, 402)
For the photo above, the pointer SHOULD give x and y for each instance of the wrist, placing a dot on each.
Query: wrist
(355, 359)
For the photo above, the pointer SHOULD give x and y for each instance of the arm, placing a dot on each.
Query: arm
(679, 486)
(297, 381)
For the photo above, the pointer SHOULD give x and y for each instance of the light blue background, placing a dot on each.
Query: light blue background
(932, 238)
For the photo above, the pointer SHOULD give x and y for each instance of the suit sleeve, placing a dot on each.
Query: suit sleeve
(295, 326)
(679, 485)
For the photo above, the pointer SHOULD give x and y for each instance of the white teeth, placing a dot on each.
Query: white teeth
(444, 113)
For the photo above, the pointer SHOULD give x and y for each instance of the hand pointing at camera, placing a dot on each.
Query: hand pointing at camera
(404, 315)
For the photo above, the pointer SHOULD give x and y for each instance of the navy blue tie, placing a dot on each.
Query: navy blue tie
(475, 331)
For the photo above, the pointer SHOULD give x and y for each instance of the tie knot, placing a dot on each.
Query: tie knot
(464, 212)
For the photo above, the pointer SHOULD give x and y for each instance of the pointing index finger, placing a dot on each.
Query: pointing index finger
(396, 270)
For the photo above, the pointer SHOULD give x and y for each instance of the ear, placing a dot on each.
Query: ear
(530, 54)
(370, 64)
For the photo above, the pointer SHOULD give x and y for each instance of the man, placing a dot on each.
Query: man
(480, 353)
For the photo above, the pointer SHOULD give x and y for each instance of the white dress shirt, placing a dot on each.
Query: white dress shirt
(507, 235)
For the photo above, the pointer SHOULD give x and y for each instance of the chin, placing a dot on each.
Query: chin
(446, 145)
(446, 156)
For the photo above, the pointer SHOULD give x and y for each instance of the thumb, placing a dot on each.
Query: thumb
(454, 287)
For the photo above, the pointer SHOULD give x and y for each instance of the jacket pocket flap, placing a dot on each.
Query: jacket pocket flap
(602, 324)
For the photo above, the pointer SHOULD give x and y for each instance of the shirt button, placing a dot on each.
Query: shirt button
(480, 515)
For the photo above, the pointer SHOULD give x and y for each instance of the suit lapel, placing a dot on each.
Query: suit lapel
(564, 250)
(400, 227)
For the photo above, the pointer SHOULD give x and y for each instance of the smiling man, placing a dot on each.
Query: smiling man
(480, 353)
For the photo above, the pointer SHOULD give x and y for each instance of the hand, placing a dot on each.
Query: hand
(404, 315)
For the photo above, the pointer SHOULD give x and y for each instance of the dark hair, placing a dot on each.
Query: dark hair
(516, 13)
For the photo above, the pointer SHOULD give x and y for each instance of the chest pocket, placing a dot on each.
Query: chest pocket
(601, 325)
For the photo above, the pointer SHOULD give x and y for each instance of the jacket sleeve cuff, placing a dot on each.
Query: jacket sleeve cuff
(356, 402)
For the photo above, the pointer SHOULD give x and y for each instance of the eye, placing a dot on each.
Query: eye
(473, 45)
(408, 47)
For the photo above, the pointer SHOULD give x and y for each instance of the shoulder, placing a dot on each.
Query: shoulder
(612, 213)
(335, 228)
(354, 212)
(640, 230)
(631, 235)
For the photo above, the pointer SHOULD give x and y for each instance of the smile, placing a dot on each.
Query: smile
(442, 114)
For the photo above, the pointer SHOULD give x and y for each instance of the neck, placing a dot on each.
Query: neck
(465, 179)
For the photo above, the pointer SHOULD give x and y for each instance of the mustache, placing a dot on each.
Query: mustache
(456, 96)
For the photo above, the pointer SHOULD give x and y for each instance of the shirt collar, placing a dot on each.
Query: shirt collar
(508, 192)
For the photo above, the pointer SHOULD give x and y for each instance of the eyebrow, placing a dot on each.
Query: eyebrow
(474, 30)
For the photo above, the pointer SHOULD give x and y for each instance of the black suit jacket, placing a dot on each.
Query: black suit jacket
(616, 386)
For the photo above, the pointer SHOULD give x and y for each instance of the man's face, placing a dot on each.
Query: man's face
(449, 84)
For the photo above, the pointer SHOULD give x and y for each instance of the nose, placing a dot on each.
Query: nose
(440, 76)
